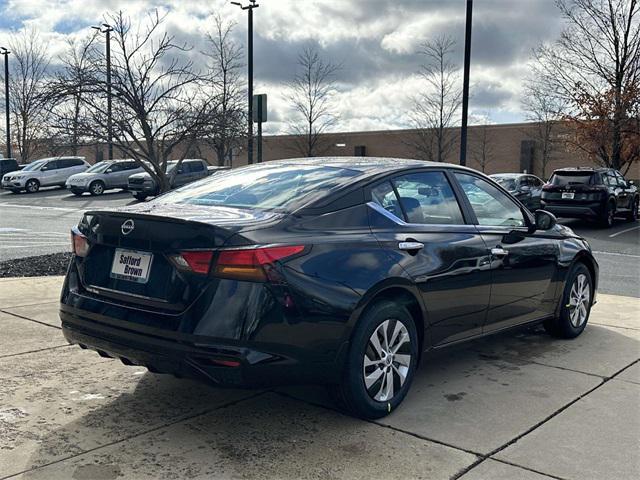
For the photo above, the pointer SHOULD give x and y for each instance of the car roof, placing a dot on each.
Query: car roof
(581, 169)
(366, 165)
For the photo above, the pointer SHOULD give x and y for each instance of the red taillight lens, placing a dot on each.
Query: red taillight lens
(197, 261)
(79, 244)
(249, 264)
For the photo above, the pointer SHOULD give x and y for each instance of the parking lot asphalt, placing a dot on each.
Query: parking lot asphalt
(39, 223)
(519, 405)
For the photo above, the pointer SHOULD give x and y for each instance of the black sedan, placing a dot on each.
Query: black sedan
(340, 271)
(525, 187)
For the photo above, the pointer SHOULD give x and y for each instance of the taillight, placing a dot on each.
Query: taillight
(252, 264)
(79, 243)
(196, 261)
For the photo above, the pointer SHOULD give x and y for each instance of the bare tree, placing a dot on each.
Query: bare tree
(482, 144)
(227, 122)
(436, 108)
(310, 94)
(28, 95)
(68, 90)
(595, 67)
(545, 110)
(158, 107)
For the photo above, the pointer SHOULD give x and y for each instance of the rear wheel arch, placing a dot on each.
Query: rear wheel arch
(404, 295)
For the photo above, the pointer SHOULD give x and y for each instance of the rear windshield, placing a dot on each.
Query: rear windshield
(573, 178)
(269, 187)
(508, 183)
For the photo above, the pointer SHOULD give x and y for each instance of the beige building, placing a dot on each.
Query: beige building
(509, 148)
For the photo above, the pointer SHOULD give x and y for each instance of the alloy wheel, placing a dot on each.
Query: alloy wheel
(97, 188)
(579, 298)
(386, 360)
(32, 186)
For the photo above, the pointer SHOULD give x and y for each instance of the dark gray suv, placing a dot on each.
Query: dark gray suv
(141, 185)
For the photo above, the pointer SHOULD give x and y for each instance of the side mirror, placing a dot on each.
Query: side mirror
(630, 183)
(525, 188)
(545, 220)
(44, 169)
(108, 170)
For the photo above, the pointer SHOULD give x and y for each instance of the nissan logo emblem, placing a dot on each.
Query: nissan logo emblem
(127, 227)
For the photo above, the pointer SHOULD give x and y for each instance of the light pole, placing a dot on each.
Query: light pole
(465, 85)
(252, 4)
(107, 29)
(5, 52)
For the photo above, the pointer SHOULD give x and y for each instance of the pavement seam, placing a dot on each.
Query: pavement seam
(34, 351)
(390, 427)
(528, 469)
(130, 437)
(30, 319)
(55, 300)
(614, 326)
(545, 420)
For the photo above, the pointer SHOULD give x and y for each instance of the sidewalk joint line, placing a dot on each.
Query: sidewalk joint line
(30, 319)
(34, 351)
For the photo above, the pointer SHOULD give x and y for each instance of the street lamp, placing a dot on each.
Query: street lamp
(252, 4)
(465, 85)
(107, 29)
(5, 52)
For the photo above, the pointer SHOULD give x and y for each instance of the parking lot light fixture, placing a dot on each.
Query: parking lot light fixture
(107, 29)
(5, 52)
(249, 7)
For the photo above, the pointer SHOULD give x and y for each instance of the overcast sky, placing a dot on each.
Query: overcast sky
(375, 41)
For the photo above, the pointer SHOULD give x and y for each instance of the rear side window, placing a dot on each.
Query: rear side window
(195, 167)
(427, 198)
(563, 179)
(270, 187)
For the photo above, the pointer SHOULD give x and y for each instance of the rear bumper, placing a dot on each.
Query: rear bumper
(142, 188)
(588, 210)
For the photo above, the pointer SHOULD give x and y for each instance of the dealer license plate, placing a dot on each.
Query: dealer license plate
(131, 265)
(568, 195)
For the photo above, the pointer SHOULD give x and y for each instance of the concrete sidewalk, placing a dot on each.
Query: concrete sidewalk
(514, 406)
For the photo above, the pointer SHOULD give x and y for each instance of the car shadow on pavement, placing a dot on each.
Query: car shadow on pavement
(474, 398)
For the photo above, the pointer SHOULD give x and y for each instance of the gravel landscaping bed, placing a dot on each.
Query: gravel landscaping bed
(41, 265)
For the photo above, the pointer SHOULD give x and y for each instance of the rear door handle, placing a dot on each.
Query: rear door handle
(499, 252)
(410, 245)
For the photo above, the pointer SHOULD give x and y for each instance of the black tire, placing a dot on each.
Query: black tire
(140, 196)
(32, 186)
(13, 190)
(77, 193)
(608, 215)
(563, 326)
(96, 188)
(632, 216)
(352, 394)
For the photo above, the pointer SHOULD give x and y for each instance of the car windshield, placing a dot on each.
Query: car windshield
(272, 187)
(508, 183)
(98, 167)
(561, 179)
(34, 166)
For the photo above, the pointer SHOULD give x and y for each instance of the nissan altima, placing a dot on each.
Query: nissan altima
(337, 271)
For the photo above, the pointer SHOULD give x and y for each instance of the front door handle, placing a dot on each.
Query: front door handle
(499, 252)
(410, 246)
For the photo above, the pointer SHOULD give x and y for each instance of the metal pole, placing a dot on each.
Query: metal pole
(260, 141)
(109, 111)
(6, 101)
(250, 93)
(465, 86)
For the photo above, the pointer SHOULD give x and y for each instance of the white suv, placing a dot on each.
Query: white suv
(46, 172)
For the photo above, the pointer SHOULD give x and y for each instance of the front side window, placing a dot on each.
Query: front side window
(491, 206)
(195, 167)
(427, 198)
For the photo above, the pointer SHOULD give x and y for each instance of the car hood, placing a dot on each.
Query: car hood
(83, 175)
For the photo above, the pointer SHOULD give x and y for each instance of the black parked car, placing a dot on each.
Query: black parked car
(525, 187)
(596, 194)
(8, 165)
(340, 271)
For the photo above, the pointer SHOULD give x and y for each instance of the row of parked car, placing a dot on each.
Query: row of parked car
(78, 176)
(598, 194)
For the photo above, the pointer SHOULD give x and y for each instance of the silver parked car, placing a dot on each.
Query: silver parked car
(103, 176)
(46, 172)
